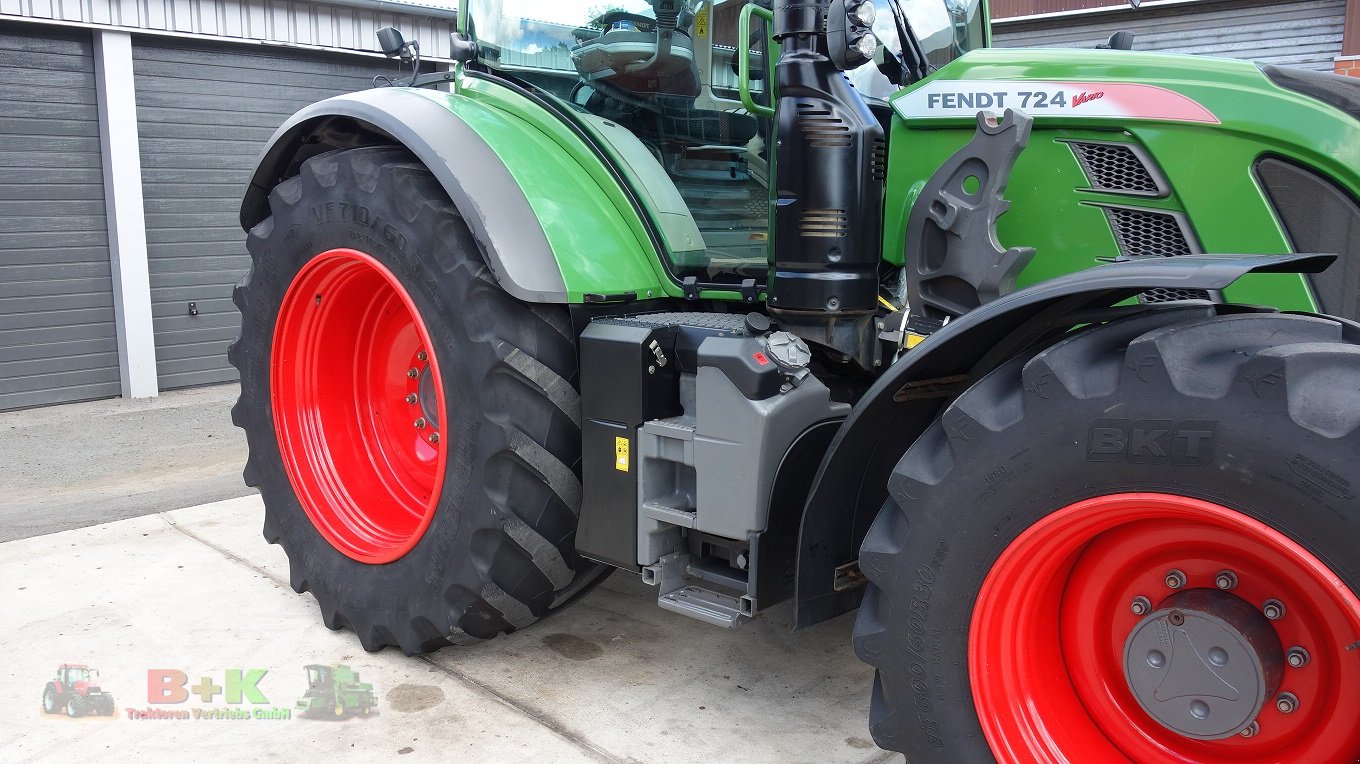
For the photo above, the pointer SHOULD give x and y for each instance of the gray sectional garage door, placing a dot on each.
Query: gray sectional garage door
(204, 114)
(1304, 33)
(57, 335)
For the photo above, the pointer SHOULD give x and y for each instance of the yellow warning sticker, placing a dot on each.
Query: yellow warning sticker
(621, 454)
(701, 23)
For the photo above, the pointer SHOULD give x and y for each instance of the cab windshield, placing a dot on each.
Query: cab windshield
(680, 98)
(541, 33)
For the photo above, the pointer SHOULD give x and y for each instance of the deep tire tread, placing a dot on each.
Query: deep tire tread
(524, 543)
(1196, 353)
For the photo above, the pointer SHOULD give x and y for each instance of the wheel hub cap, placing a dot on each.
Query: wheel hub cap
(1204, 664)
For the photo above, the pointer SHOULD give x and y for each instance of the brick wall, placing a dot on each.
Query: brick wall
(1005, 9)
(1348, 65)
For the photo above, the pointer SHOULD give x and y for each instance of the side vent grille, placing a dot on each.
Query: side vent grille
(1143, 233)
(1163, 294)
(1117, 168)
(822, 128)
(878, 163)
(824, 223)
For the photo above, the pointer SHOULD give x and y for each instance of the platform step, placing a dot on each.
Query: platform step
(708, 606)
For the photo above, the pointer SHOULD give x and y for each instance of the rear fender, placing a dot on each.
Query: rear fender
(851, 483)
(546, 226)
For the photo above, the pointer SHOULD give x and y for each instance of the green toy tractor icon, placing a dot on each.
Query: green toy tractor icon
(335, 692)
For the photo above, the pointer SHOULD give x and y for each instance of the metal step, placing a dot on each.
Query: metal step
(706, 605)
(678, 596)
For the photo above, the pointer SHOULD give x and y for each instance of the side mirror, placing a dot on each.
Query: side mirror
(1121, 40)
(850, 36)
(391, 42)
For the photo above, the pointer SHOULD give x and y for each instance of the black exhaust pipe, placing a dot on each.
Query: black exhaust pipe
(830, 166)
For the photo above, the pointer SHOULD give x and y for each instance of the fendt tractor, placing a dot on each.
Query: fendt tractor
(722, 294)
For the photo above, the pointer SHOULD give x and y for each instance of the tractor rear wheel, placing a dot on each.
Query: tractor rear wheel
(1136, 545)
(414, 431)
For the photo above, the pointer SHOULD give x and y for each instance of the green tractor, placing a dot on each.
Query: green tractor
(722, 294)
(334, 692)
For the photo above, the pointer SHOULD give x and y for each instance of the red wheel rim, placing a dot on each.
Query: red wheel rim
(1046, 642)
(352, 374)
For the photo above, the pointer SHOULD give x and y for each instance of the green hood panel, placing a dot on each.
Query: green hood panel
(1156, 102)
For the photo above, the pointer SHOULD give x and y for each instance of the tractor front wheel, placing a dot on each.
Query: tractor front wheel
(74, 707)
(1138, 544)
(413, 429)
(51, 703)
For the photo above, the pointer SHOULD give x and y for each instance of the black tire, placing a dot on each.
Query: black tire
(74, 708)
(1016, 447)
(499, 552)
(51, 700)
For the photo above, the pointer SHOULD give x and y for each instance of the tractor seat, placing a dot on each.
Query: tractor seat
(609, 58)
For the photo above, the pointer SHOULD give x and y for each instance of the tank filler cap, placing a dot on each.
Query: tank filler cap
(788, 351)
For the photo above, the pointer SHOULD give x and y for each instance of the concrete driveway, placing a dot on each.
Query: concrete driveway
(197, 591)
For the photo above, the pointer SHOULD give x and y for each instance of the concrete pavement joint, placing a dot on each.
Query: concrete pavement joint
(239, 561)
(539, 718)
(547, 722)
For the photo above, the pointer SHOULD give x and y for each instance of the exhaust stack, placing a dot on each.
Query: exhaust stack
(831, 163)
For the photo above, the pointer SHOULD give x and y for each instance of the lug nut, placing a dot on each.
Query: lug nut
(421, 356)
(1297, 657)
(434, 437)
(420, 423)
(413, 373)
(1273, 609)
(1286, 703)
(1174, 579)
(1140, 605)
(1226, 579)
(411, 398)
(1252, 730)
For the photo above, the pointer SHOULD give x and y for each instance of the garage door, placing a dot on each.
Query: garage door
(203, 115)
(1304, 33)
(57, 336)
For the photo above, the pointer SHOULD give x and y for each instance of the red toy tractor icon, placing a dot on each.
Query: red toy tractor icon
(74, 691)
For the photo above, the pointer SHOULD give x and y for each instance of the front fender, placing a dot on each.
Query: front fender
(546, 225)
(852, 481)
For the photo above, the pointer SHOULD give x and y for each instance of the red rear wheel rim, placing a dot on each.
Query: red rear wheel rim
(1046, 642)
(358, 406)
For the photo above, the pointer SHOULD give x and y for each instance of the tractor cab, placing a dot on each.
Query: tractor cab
(72, 675)
(669, 72)
(318, 677)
